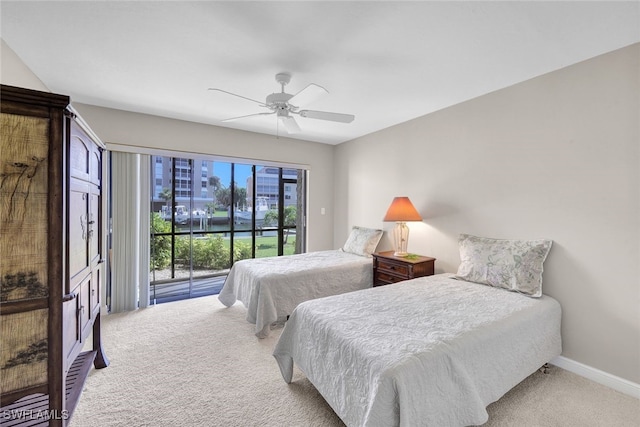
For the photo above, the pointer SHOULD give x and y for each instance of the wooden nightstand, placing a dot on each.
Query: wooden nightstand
(391, 269)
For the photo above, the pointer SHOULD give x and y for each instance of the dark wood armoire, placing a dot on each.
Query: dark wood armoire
(51, 261)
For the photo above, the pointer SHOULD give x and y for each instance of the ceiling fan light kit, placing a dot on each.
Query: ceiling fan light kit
(283, 105)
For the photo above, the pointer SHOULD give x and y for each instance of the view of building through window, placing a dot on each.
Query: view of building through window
(206, 215)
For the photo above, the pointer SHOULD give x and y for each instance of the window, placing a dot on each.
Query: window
(198, 233)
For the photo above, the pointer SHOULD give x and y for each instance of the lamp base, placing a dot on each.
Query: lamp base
(401, 238)
(401, 254)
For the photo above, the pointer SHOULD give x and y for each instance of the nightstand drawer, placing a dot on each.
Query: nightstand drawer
(384, 278)
(386, 266)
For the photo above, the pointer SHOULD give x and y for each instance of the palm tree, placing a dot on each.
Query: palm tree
(240, 196)
(290, 215)
(223, 196)
(165, 195)
(214, 182)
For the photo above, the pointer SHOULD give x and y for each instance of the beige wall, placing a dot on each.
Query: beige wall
(14, 72)
(554, 157)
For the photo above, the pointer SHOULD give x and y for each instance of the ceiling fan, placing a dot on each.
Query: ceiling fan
(285, 105)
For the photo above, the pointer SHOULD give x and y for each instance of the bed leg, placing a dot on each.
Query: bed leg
(545, 368)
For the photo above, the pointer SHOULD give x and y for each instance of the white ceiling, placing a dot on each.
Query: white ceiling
(386, 62)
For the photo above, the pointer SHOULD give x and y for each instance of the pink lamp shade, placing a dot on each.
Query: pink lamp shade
(401, 210)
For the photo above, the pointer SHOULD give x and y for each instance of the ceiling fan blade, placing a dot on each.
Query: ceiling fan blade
(239, 96)
(290, 124)
(248, 115)
(307, 95)
(323, 115)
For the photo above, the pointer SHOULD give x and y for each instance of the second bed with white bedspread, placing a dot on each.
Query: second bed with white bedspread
(270, 288)
(433, 351)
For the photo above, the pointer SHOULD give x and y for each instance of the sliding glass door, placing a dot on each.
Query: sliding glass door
(206, 215)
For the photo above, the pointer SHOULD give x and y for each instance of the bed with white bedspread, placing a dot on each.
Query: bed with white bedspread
(270, 288)
(433, 351)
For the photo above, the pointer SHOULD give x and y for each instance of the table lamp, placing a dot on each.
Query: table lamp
(401, 211)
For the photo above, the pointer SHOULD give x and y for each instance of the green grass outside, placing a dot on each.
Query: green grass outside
(268, 246)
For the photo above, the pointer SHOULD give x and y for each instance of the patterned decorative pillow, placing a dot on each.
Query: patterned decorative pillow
(362, 241)
(515, 265)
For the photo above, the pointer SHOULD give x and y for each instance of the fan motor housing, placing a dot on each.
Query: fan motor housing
(278, 100)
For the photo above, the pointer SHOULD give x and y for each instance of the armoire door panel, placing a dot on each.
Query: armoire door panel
(84, 309)
(24, 170)
(79, 155)
(95, 290)
(94, 225)
(71, 345)
(95, 166)
(78, 231)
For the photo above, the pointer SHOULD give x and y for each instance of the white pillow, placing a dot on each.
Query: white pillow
(362, 241)
(515, 265)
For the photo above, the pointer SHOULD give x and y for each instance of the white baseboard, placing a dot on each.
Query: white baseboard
(620, 384)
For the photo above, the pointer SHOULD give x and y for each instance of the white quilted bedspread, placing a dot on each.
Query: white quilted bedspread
(432, 351)
(270, 288)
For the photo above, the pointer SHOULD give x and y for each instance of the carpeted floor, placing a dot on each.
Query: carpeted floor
(197, 363)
